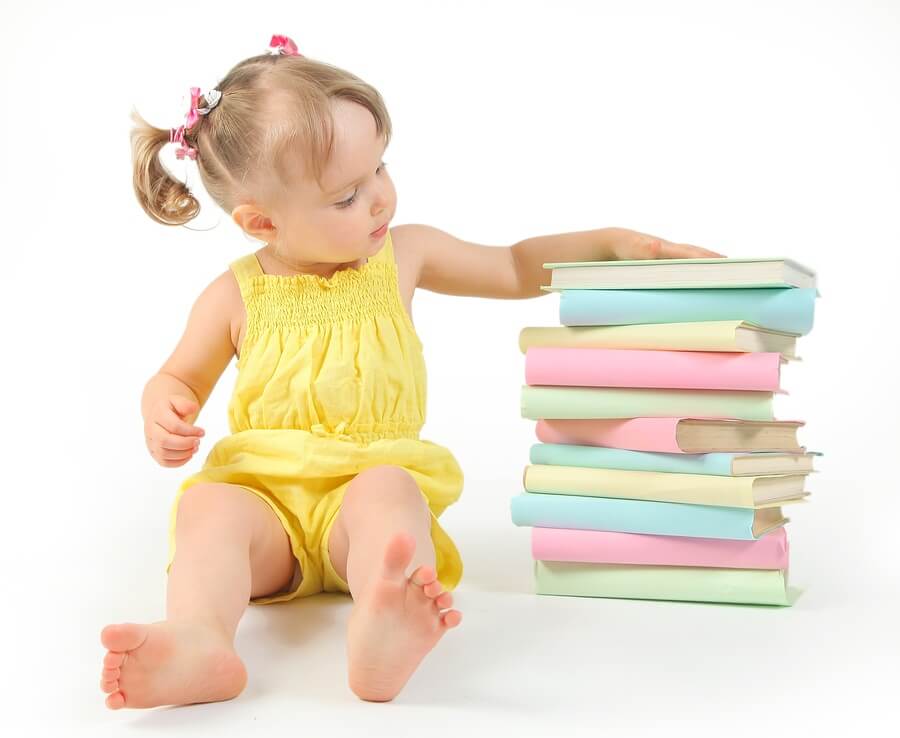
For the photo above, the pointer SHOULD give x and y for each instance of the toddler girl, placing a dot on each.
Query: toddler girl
(323, 483)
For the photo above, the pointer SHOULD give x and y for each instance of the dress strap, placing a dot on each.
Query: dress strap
(244, 269)
(386, 252)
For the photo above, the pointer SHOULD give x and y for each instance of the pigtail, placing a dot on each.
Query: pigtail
(163, 197)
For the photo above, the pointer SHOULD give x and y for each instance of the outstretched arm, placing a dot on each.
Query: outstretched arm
(604, 244)
(452, 266)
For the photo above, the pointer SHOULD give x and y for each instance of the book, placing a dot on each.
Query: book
(718, 272)
(732, 464)
(691, 584)
(643, 516)
(601, 367)
(691, 489)
(706, 335)
(673, 434)
(609, 547)
(624, 402)
(782, 309)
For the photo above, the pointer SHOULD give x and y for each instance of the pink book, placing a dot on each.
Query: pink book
(600, 367)
(604, 547)
(674, 435)
(636, 434)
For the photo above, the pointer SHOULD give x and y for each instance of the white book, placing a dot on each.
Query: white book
(680, 274)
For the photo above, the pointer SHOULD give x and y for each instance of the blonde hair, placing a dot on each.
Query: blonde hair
(272, 106)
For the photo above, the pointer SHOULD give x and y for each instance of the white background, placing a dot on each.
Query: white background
(754, 129)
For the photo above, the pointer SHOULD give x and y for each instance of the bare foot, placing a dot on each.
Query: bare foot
(395, 623)
(168, 663)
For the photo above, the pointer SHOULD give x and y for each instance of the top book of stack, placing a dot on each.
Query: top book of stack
(679, 274)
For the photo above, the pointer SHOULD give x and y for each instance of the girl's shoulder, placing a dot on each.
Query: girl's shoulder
(406, 241)
(223, 297)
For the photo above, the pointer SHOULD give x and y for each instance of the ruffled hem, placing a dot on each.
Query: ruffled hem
(302, 471)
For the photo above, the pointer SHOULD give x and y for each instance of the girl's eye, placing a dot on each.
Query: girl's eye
(350, 200)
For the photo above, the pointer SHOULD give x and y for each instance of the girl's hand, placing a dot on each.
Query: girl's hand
(633, 245)
(172, 440)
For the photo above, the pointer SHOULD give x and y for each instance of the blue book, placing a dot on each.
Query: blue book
(787, 309)
(643, 516)
(719, 464)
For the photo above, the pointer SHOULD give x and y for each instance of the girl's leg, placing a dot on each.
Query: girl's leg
(229, 546)
(381, 544)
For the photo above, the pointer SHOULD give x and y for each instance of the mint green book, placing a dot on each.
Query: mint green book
(541, 401)
(681, 583)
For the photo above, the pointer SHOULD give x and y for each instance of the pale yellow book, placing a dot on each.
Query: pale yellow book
(714, 335)
(691, 489)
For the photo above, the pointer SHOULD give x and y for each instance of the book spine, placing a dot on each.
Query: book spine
(631, 516)
(738, 586)
(607, 547)
(635, 434)
(600, 367)
(784, 309)
(604, 402)
(709, 335)
(598, 457)
(688, 489)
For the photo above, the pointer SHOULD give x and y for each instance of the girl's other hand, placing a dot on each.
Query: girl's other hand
(171, 437)
(633, 245)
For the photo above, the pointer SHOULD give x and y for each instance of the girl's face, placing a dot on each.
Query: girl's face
(315, 229)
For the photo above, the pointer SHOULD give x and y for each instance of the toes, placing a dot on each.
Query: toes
(109, 687)
(452, 618)
(432, 589)
(113, 660)
(423, 575)
(111, 675)
(115, 701)
(444, 602)
(124, 636)
(398, 555)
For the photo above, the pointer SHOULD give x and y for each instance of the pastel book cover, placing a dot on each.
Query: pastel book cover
(601, 367)
(611, 547)
(644, 516)
(676, 583)
(788, 309)
(722, 463)
(691, 489)
(711, 272)
(673, 434)
(706, 335)
(620, 402)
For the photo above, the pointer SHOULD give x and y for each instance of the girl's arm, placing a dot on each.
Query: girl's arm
(447, 264)
(204, 351)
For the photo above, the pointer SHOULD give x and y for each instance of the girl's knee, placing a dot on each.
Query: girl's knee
(217, 508)
(384, 488)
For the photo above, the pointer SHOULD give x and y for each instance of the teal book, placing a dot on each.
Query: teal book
(718, 464)
(538, 510)
(788, 309)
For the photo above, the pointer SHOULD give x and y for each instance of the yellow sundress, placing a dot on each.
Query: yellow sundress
(331, 381)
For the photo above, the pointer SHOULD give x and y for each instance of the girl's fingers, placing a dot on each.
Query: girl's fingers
(175, 425)
(176, 455)
(686, 251)
(174, 442)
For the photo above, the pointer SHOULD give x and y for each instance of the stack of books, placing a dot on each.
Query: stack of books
(661, 471)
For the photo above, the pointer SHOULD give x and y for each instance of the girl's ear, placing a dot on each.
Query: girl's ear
(254, 222)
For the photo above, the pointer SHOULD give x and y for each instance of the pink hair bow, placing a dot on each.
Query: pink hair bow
(284, 45)
(176, 135)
